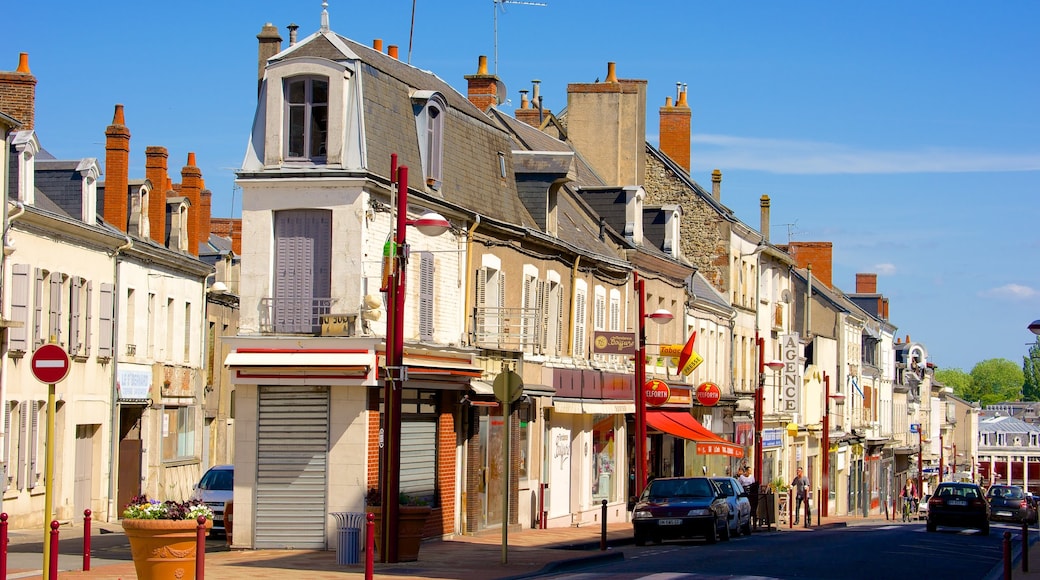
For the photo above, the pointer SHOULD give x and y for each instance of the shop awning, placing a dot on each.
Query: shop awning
(682, 424)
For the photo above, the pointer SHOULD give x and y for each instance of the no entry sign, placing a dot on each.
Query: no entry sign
(50, 364)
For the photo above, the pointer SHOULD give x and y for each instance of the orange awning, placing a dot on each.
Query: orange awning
(684, 425)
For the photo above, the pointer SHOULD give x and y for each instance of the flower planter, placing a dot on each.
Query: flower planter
(411, 522)
(163, 549)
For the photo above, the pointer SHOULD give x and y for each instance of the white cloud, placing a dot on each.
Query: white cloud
(815, 157)
(885, 269)
(1011, 291)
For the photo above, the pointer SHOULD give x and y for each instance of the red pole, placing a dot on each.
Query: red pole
(826, 450)
(200, 548)
(86, 540)
(3, 545)
(759, 409)
(920, 463)
(640, 393)
(52, 568)
(790, 509)
(941, 453)
(370, 544)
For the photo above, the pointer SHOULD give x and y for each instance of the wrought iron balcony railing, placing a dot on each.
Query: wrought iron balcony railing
(293, 315)
(515, 329)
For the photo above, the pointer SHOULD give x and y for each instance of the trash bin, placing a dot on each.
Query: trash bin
(348, 530)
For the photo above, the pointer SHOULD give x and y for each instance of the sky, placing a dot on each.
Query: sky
(905, 133)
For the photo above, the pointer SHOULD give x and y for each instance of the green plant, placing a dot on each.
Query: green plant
(142, 508)
(778, 485)
(375, 499)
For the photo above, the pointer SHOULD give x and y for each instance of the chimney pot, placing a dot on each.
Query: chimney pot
(534, 90)
(377, 44)
(611, 73)
(392, 51)
(682, 99)
(23, 63)
(482, 65)
(293, 27)
(764, 204)
(716, 185)
(667, 101)
(523, 99)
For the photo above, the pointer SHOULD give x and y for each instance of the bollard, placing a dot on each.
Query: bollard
(3, 545)
(86, 540)
(1007, 555)
(200, 548)
(370, 544)
(1025, 546)
(52, 567)
(603, 527)
(790, 509)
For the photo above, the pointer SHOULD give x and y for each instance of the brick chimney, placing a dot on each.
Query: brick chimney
(866, 283)
(270, 45)
(607, 123)
(18, 94)
(530, 111)
(155, 171)
(763, 204)
(819, 254)
(229, 228)
(716, 185)
(191, 188)
(117, 171)
(675, 130)
(483, 87)
(205, 215)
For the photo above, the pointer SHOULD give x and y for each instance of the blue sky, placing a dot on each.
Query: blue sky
(906, 133)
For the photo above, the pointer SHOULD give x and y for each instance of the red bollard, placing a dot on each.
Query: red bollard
(200, 549)
(370, 544)
(1007, 555)
(86, 540)
(53, 565)
(3, 545)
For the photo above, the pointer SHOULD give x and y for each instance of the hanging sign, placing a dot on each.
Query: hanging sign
(708, 394)
(656, 393)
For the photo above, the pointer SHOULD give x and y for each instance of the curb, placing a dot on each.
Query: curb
(570, 564)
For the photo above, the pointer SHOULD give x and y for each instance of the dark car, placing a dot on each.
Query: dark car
(680, 507)
(739, 505)
(1009, 503)
(961, 505)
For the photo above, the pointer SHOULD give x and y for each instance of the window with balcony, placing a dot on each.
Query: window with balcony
(307, 118)
(303, 272)
(553, 322)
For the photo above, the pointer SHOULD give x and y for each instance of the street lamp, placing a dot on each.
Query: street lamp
(659, 316)
(430, 224)
(775, 366)
(1034, 327)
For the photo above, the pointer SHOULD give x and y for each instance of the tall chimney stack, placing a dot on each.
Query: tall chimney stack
(763, 202)
(716, 185)
(482, 88)
(117, 171)
(18, 94)
(675, 130)
(205, 215)
(270, 45)
(191, 188)
(866, 283)
(155, 171)
(293, 27)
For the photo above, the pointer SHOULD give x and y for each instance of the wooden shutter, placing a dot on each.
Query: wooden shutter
(34, 444)
(23, 423)
(479, 310)
(540, 313)
(87, 328)
(54, 317)
(19, 336)
(106, 327)
(8, 436)
(74, 315)
(38, 329)
(579, 325)
(426, 283)
(303, 268)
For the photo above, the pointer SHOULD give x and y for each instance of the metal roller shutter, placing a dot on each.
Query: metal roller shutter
(292, 455)
(419, 458)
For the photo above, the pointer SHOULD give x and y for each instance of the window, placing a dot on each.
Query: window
(79, 317)
(106, 315)
(56, 301)
(151, 325)
(131, 322)
(604, 457)
(178, 432)
(18, 335)
(11, 441)
(187, 331)
(530, 317)
(489, 300)
(36, 440)
(307, 114)
(426, 283)
(303, 270)
(169, 329)
(580, 299)
(553, 324)
(429, 124)
(419, 457)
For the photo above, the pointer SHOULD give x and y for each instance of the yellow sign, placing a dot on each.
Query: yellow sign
(694, 362)
(672, 350)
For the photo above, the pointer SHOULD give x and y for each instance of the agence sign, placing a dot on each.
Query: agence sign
(790, 377)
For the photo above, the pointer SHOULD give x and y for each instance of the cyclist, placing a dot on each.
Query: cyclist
(909, 499)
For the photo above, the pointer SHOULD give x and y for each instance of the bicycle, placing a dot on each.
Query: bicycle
(909, 508)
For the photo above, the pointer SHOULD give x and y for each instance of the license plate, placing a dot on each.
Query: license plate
(1004, 514)
(669, 522)
(958, 502)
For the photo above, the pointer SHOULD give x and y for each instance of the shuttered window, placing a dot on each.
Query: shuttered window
(39, 330)
(34, 445)
(303, 269)
(75, 314)
(88, 329)
(553, 319)
(426, 283)
(56, 302)
(10, 437)
(419, 444)
(23, 446)
(579, 323)
(18, 336)
(106, 314)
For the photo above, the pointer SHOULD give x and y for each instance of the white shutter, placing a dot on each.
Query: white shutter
(419, 458)
(480, 320)
(34, 444)
(74, 316)
(23, 423)
(426, 283)
(88, 331)
(106, 312)
(54, 318)
(8, 436)
(38, 329)
(579, 325)
(18, 336)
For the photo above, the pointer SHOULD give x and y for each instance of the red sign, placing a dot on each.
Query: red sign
(656, 393)
(50, 364)
(708, 394)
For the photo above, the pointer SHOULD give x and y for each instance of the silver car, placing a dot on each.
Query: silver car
(215, 489)
(739, 505)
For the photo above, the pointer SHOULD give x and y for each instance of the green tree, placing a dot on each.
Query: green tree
(961, 383)
(1031, 372)
(998, 379)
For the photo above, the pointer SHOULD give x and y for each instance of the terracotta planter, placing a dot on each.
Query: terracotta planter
(412, 520)
(163, 549)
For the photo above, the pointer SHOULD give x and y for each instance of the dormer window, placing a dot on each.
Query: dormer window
(307, 115)
(429, 123)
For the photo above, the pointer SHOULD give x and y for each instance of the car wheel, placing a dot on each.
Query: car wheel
(931, 527)
(726, 533)
(713, 532)
(747, 528)
(640, 539)
(984, 530)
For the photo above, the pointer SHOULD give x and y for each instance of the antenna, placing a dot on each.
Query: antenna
(792, 230)
(502, 3)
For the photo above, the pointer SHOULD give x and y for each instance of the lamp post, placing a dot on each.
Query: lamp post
(430, 224)
(942, 451)
(826, 447)
(774, 365)
(660, 317)
(920, 461)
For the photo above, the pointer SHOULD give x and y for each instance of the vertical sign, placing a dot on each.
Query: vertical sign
(790, 377)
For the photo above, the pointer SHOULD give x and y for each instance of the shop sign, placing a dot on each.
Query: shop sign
(772, 437)
(614, 343)
(656, 393)
(708, 394)
(791, 392)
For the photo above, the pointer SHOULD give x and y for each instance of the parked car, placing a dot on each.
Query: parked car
(1009, 503)
(739, 505)
(922, 508)
(215, 489)
(680, 507)
(960, 505)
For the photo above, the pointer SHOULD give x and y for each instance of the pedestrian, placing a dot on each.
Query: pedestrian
(745, 477)
(800, 483)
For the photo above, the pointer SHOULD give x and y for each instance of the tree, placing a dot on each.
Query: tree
(1031, 371)
(961, 383)
(998, 379)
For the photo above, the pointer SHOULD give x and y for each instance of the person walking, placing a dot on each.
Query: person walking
(800, 483)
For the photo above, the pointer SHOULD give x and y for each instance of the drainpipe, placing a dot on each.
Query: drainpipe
(469, 280)
(574, 296)
(113, 435)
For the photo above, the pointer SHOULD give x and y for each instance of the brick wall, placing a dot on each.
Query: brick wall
(228, 228)
(818, 254)
(866, 284)
(191, 188)
(117, 170)
(155, 171)
(482, 87)
(18, 94)
(675, 132)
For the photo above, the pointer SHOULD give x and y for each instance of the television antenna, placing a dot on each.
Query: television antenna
(501, 4)
(792, 230)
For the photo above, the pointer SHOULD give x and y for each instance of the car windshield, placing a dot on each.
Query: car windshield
(218, 479)
(667, 488)
(1008, 492)
(726, 486)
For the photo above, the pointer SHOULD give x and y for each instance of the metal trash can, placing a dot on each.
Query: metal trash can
(348, 530)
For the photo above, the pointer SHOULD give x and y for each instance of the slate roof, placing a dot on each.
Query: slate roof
(1006, 425)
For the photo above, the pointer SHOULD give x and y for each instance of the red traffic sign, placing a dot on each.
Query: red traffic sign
(708, 394)
(657, 393)
(50, 364)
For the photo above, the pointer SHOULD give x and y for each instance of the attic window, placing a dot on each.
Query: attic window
(501, 165)
(307, 114)
(430, 112)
